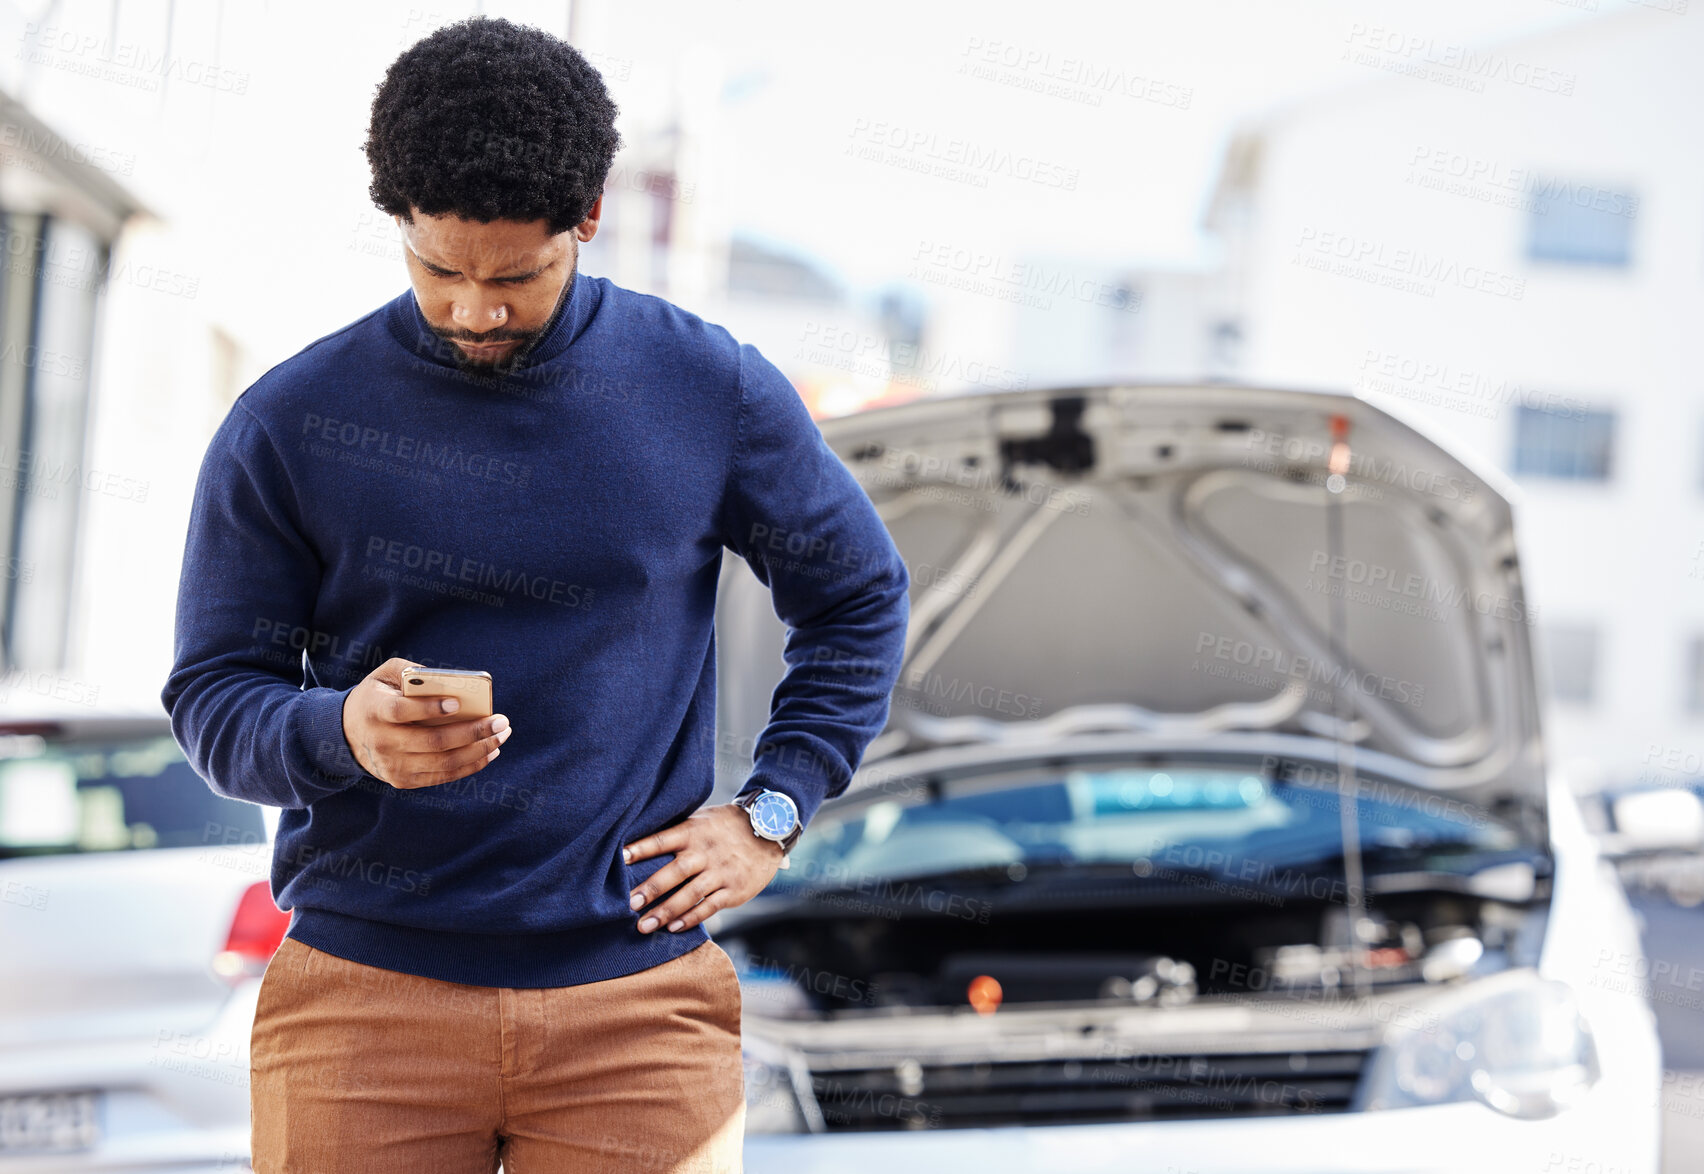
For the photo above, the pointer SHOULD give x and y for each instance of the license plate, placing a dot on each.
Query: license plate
(51, 1122)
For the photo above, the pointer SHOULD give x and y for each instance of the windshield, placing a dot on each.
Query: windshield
(69, 796)
(1178, 818)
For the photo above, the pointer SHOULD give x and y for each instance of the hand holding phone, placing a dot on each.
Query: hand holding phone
(396, 728)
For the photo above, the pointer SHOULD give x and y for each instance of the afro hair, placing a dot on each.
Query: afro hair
(488, 120)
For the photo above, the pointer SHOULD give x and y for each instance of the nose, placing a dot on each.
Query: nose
(479, 315)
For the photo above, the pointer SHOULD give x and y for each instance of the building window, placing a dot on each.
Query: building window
(1224, 346)
(1576, 445)
(49, 308)
(1695, 676)
(1571, 654)
(1580, 224)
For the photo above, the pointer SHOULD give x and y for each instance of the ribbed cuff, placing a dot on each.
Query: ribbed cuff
(319, 718)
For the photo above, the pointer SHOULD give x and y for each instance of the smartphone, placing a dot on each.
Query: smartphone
(471, 686)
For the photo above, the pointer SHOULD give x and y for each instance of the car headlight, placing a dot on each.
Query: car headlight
(1516, 1042)
(772, 1098)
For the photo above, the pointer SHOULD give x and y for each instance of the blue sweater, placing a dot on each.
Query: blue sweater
(561, 527)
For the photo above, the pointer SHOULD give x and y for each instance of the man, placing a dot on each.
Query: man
(496, 947)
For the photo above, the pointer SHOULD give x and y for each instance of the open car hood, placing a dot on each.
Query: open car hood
(1158, 559)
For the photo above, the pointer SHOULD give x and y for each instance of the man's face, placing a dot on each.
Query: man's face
(489, 290)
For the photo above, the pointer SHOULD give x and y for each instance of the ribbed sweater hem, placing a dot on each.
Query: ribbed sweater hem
(590, 954)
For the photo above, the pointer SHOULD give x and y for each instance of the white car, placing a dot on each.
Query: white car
(135, 921)
(1096, 899)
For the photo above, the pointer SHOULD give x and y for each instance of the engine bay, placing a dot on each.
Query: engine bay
(815, 962)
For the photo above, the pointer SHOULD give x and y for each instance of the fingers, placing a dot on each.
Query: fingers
(450, 735)
(714, 903)
(434, 768)
(405, 739)
(668, 840)
(672, 911)
(667, 878)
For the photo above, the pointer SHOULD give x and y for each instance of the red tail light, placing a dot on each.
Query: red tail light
(256, 930)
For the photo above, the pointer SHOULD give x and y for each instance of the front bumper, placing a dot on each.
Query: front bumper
(1598, 1136)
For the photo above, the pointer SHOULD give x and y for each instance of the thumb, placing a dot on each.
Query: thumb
(390, 673)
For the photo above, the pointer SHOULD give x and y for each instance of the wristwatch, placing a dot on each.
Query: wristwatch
(774, 816)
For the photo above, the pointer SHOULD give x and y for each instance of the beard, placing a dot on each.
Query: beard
(502, 365)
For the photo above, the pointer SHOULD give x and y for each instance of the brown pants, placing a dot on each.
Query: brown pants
(357, 1068)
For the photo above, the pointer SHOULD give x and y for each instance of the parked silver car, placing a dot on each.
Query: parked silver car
(135, 920)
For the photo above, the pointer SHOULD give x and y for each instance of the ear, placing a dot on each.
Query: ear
(588, 228)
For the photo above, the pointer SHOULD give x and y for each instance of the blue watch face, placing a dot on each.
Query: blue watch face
(774, 815)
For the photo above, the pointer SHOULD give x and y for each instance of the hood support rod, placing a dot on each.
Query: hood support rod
(1342, 709)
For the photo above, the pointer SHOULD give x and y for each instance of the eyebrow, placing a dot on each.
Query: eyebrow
(434, 266)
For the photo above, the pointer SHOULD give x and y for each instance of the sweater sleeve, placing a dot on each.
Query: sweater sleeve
(243, 719)
(810, 533)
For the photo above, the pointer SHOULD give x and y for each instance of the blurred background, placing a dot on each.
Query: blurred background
(1486, 216)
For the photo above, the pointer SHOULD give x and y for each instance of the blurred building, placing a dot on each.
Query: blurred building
(61, 213)
(127, 354)
(1508, 245)
(668, 230)
(1087, 321)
